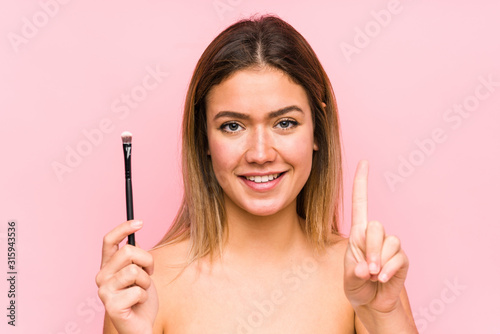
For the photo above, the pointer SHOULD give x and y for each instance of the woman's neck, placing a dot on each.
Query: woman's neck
(263, 239)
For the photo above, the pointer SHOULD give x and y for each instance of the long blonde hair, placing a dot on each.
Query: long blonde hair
(269, 41)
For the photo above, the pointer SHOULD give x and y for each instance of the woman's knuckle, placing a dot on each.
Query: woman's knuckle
(106, 240)
(147, 282)
(128, 250)
(133, 270)
(98, 279)
(394, 241)
(102, 293)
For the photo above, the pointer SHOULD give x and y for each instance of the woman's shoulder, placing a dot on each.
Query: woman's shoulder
(337, 239)
(170, 251)
(170, 261)
(332, 257)
(336, 245)
(170, 264)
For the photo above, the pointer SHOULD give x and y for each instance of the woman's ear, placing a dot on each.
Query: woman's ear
(323, 104)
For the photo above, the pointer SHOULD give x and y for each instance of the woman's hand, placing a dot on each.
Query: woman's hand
(125, 286)
(375, 266)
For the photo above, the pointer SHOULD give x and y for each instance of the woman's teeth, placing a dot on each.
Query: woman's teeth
(263, 178)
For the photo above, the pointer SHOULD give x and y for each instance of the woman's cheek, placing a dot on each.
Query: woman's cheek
(296, 149)
(223, 157)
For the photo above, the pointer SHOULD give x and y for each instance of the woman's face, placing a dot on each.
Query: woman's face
(260, 139)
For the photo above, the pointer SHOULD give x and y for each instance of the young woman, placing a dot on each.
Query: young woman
(255, 246)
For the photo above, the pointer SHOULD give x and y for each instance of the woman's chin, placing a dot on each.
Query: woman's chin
(265, 209)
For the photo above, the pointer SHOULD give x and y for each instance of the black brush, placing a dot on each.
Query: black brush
(127, 154)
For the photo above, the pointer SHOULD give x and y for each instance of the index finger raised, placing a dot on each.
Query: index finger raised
(360, 196)
(111, 241)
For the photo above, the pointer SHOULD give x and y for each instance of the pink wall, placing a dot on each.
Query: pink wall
(400, 81)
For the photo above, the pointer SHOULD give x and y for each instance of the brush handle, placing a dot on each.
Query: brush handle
(130, 207)
(127, 154)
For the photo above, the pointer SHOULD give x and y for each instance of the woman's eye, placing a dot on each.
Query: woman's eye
(287, 124)
(230, 127)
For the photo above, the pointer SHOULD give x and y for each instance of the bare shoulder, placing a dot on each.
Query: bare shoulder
(169, 266)
(169, 261)
(206, 292)
(333, 299)
(175, 251)
(336, 248)
(331, 258)
(336, 240)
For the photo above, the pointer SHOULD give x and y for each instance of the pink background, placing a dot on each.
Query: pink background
(67, 75)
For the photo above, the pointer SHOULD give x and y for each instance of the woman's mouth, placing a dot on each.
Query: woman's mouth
(263, 178)
(262, 183)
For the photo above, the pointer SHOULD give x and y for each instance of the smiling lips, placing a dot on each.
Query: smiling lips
(262, 182)
(263, 178)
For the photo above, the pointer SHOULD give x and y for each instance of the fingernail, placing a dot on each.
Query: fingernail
(383, 278)
(373, 268)
(136, 223)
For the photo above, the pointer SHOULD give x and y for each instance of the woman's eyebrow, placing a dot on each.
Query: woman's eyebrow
(283, 111)
(272, 114)
(231, 114)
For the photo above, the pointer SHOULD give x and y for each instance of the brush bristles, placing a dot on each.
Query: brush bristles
(126, 137)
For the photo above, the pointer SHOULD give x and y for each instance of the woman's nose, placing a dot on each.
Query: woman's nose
(260, 147)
